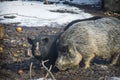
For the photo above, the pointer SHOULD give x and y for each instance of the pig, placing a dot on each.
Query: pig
(80, 20)
(44, 47)
(87, 40)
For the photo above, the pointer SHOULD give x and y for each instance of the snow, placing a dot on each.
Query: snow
(115, 78)
(35, 13)
(82, 2)
(112, 78)
(43, 79)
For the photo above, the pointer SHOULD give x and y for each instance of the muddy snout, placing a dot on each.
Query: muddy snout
(60, 65)
(67, 62)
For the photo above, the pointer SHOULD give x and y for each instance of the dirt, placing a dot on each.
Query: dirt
(14, 57)
(95, 10)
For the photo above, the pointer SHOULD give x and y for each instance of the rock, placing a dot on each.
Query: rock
(19, 29)
(20, 72)
(9, 16)
(87, 40)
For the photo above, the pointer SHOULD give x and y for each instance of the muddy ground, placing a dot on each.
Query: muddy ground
(14, 58)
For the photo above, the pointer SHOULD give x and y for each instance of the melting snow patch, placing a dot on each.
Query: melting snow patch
(42, 79)
(115, 78)
(85, 1)
(35, 13)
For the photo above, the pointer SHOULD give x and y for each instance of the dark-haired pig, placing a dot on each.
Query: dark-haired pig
(44, 47)
(86, 40)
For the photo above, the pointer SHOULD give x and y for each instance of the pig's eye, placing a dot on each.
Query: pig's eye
(45, 40)
(63, 49)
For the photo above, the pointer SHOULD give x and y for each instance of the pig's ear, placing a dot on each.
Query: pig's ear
(45, 40)
(30, 40)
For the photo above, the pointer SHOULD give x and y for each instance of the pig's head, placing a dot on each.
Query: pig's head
(39, 46)
(68, 56)
(44, 47)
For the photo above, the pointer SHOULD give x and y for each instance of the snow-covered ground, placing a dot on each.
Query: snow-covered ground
(115, 78)
(83, 2)
(33, 13)
(111, 78)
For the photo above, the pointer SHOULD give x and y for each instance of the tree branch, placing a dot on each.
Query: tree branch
(48, 70)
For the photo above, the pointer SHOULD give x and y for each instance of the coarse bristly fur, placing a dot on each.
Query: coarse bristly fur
(88, 40)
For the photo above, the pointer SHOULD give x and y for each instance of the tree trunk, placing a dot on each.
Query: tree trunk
(45, 1)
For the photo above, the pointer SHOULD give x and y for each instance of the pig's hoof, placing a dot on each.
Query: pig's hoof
(86, 66)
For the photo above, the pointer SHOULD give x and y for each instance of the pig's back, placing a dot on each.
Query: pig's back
(101, 36)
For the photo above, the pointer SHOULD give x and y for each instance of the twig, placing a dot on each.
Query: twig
(31, 71)
(103, 78)
(48, 73)
(48, 70)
